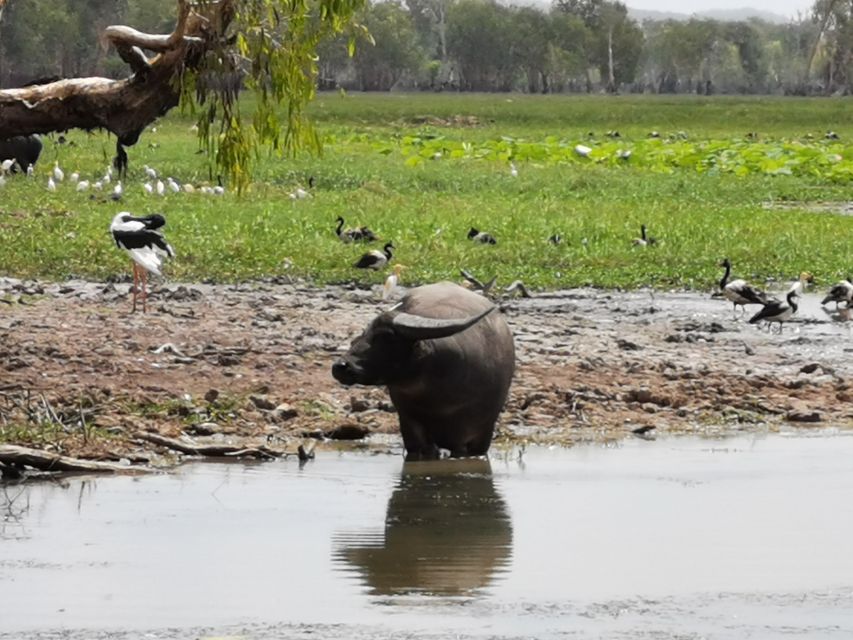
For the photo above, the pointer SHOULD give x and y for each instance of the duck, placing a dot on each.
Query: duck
(776, 311)
(840, 292)
(644, 240)
(481, 236)
(376, 259)
(738, 291)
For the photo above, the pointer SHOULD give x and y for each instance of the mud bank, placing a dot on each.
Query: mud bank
(249, 364)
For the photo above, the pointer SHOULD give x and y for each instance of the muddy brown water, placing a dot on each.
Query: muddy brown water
(679, 538)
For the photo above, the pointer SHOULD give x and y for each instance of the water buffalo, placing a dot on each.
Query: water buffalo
(447, 361)
(24, 149)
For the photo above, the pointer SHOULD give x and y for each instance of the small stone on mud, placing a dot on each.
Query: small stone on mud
(804, 416)
(211, 395)
(357, 405)
(262, 402)
(627, 345)
(202, 429)
(348, 432)
(285, 411)
(810, 368)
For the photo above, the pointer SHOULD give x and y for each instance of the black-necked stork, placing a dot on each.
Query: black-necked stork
(738, 291)
(481, 236)
(841, 292)
(375, 259)
(143, 240)
(777, 311)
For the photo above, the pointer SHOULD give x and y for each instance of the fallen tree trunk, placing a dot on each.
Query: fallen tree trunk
(15, 456)
(123, 107)
(213, 450)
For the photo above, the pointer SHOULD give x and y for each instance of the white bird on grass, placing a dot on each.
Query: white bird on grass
(513, 170)
(188, 188)
(143, 241)
(152, 175)
(118, 190)
(218, 191)
(98, 185)
(7, 164)
(147, 188)
(74, 177)
(299, 194)
(174, 186)
(31, 171)
(58, 174)
(83, 185)
(161, 188)
(51, 185)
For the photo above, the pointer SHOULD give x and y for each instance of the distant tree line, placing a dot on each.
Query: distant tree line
(482, 45)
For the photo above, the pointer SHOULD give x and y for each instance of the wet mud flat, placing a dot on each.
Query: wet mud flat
(682, 537)
(250, 364)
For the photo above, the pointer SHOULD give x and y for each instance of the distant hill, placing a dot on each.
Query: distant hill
(731, 15)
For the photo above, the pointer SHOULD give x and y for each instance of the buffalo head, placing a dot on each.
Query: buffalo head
(382, 354)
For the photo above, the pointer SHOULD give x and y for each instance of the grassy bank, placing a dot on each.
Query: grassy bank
(421, 169)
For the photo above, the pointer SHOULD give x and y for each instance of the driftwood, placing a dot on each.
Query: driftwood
(16, 457)
(213, 450)
(123, 107)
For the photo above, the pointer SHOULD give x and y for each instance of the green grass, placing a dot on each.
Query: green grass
(699, 214)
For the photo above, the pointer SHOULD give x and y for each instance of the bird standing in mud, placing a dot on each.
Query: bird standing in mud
(776, 311)
(841, 292)
(738, 291)
(141, 237)
(391, 282)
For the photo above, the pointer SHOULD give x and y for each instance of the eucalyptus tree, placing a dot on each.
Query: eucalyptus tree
(215, 48)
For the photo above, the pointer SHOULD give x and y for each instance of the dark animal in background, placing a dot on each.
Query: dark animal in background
(24, 149)
(447, 358)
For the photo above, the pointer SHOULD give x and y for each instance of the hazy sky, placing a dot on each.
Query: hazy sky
(782, 7)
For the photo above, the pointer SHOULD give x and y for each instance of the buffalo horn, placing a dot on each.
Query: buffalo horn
(421, 328)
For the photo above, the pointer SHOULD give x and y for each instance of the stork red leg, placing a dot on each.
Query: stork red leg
(135, 284)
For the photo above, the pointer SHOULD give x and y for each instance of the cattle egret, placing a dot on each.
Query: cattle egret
(391, 282)
(174, 186)
(375, 259)
(6, 165)
(51, 185)
(58, 174)
(117, 191)
(143, 241)
(582, 150)
(31, 171)
(299, 194)
(150, 172)
(147, 188)
(206, 190)
(98, 185)
(513, 170)
(83, 185)
(218, 191)
(188, 188)
(161, 188)
(74, 177)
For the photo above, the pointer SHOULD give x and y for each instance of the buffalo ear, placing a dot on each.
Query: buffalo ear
(415, 327)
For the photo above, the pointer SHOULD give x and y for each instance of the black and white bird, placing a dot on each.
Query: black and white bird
(141, 237)
(556, 239)
(481, 236)
(644, 240)
(738, 291)
(777, 311)
(375, 259)
(359, 234)
(841, 292)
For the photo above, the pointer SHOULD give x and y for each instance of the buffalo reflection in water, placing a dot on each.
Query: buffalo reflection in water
(447, 532)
